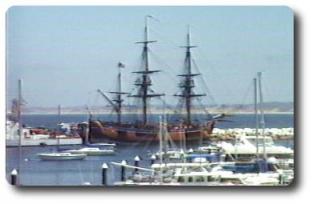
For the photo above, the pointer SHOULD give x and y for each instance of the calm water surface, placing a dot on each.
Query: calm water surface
(33, 171)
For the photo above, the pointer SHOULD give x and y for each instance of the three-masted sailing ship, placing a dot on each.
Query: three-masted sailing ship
(143, 130)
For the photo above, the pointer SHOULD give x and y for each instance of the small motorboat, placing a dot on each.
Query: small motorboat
(112, 145)
(63, 156)
(92, 151)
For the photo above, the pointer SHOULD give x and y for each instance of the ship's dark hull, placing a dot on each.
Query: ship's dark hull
(100, 130)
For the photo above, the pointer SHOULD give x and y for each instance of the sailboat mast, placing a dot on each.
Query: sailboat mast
(19, 109)
(262, 123)
(160, 146)
(88, 127)
(59, 128)
(20, 126)
(256, 116)
(59, 114)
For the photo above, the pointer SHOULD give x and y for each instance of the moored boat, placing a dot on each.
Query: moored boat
(92, 151)
(201, 171)
(18, 134)
(61, 156)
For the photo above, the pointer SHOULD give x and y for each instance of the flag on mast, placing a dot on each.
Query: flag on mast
(121, 65)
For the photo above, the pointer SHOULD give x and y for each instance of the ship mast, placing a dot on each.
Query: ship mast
(187, 85)
(118, 100)
(144, 82)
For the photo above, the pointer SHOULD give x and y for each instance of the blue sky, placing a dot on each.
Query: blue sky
(63, 54)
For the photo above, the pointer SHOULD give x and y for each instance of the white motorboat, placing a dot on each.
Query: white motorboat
(63, 156)
(171, 154)
(30, 137)
(92, 151)
(245, 146)
(208, 149)
(217, 176)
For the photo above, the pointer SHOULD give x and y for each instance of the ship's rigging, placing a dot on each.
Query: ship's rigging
(144, 82)
(187, 127)
(187, 84)
(116, 103)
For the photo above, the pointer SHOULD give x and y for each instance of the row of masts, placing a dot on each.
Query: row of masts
(144, 82)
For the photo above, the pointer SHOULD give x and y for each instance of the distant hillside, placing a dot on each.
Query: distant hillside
(269, 107)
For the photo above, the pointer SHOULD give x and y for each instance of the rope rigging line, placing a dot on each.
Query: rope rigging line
(266, 91)
(211, 66)
(199, 100)
(165, 39)
(246, 93)
(161, 62)
(204, 57)
(205, 84)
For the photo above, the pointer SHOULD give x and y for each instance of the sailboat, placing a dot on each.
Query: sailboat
(253, 146)
(92, 151)
(61, 156)
(144, 130)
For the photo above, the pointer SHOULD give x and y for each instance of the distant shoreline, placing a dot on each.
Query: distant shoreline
(156, 113)
(276, 108)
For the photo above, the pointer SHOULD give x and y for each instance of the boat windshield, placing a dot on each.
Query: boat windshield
(268, 141)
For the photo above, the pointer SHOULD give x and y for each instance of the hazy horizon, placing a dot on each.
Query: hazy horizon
(63, 54)
(104, 104)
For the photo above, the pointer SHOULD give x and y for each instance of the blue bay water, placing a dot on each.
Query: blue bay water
(35, 172)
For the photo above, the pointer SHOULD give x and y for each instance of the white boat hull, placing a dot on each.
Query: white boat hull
(92, 153)
(61, 157)
(42, 142)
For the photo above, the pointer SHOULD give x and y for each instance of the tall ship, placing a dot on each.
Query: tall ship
(143, 129)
